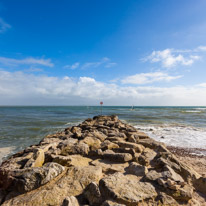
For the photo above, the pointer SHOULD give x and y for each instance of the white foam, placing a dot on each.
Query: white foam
(201, 108)
(176, 135)
(192, 111)
(5, 151)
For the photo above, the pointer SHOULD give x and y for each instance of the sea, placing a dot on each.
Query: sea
(21, 126)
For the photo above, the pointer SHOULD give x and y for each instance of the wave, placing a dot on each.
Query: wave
(191, 111)
(176, 135)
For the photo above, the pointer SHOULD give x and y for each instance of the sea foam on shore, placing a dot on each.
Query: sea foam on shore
(176, 135)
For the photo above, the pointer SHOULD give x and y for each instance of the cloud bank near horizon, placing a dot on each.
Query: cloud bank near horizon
(19, 88)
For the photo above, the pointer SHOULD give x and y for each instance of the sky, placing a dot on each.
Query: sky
(136, 52)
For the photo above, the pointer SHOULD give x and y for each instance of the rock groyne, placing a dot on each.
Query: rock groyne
(102, 161)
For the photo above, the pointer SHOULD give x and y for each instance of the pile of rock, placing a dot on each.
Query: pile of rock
(102, 161)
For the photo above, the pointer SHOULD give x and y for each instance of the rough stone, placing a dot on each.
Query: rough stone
(71, 160)
(126, 189)
(30, 179)
(72, 183)
(136, 169)
(37, 160)
(70, 201)
(136, 147)
(117, 157)
(93, 194)
(109, 166)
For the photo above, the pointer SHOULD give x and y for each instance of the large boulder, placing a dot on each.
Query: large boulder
(72, 183)
(126, 189)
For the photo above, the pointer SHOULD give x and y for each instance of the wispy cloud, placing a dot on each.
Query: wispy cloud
(73, 66)
(110, 64)
(201, 48)
(170, 58)
(106, 62)
(4, 26)
(34, 70)
(26, 61)
(146, 78)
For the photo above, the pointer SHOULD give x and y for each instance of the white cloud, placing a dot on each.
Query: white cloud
(4, 26)
(201, 85)
(73, 66)
(106, 62)
(201, 48)
(110, 64)
(26, 61)
(145, 78)
(168, 58)
(18, 88)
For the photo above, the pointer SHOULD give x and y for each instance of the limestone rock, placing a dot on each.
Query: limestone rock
(107, 145)
(136, 169)
(71, 146)
(167, 200)
(109, 166)
(136, 147)
(71, 160)
(70, 201)
(37, 160)
(93, 194)
(92, 142)
(31, 179)
(71, 183)
(200, 184)
(126, 189)
(117, 157)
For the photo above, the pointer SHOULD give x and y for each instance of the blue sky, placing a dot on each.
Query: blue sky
(80, 52)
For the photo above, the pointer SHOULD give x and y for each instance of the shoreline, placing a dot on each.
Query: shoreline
(191, 158)
(187, 152)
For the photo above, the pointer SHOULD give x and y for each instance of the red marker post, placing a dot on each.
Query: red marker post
(101, 103)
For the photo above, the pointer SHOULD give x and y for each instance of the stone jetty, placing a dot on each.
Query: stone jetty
(101, 162)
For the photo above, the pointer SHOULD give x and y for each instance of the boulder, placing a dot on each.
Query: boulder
(72, 146)
(93, 194)
(126, 189)
(92, 142)
(109, 167)
(107, 145)
(37, 160)
(71, 183)
(136, 169)
(117, 157)
(70, 201)
(167, 200)
(200, 184)
(137, 147)
(30, 179)
(71, 160)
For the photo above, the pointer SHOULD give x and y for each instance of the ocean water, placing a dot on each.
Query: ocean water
(176, 126)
